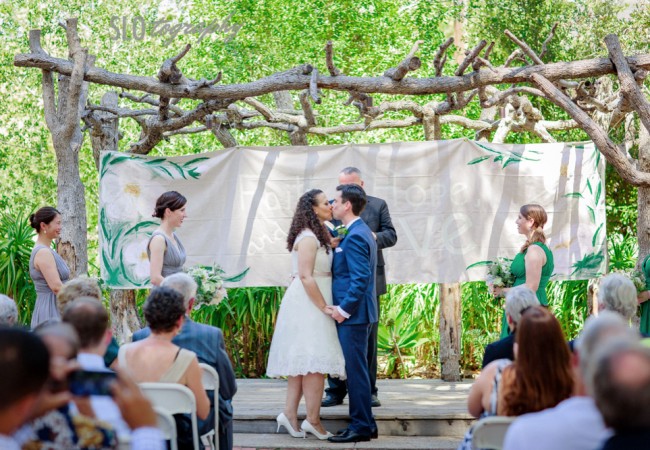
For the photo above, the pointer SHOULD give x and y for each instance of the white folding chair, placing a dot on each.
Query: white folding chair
(210, 379)
(167, 425)
(490, 432)
(174, 399)
(124, 443)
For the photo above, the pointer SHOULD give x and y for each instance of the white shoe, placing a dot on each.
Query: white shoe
(284, 422)
(309, 428)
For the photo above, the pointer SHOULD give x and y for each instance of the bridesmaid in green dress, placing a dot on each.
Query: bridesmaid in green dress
(533, 265)
(644, 326)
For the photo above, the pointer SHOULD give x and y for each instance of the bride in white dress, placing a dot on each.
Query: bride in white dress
(305, 344)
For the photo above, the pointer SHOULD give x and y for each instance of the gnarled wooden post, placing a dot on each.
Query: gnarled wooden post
(104, 137)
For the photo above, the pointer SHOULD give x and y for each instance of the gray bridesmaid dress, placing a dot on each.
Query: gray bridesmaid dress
(45, 308)
(174, 256)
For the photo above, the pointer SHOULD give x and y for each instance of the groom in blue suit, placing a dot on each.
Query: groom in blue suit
(355, 307)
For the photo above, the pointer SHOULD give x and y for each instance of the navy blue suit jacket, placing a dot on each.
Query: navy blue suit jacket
(354, 268)
(377, 217)
(501, 349)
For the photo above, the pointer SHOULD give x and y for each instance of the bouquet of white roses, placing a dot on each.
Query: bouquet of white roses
(499, 274)
(637, 278)
(209, 281)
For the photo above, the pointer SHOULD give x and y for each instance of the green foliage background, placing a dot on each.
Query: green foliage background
(369, 36)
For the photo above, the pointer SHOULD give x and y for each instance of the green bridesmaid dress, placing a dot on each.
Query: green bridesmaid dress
(644, 326)
(518, 269)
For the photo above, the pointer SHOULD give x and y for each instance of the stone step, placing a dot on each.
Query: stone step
(257, 441)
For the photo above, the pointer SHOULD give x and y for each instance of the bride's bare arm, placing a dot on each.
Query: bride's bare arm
(307, 249)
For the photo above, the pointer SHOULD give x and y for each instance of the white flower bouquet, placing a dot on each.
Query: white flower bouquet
(499, 274)
(209, 281)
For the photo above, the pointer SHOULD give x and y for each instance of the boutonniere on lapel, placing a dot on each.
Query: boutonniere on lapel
(341, 231)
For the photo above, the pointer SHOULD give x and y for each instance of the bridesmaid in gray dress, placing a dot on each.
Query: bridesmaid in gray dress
(166, 252)
(46, 267)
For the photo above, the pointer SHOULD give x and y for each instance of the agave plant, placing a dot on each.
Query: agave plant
(16, 243)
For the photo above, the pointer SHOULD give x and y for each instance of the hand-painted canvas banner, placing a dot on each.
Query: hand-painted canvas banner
(453, 204)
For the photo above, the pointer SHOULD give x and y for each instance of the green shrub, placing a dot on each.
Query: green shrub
(16, 243)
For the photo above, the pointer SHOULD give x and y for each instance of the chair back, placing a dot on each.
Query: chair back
(173, 398)
(210, 380)
(167, 425)
(490, 432)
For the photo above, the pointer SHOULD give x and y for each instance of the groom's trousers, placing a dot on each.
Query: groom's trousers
(354, 341)
(338, 388)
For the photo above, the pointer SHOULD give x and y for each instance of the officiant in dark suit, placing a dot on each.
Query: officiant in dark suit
(377, 217)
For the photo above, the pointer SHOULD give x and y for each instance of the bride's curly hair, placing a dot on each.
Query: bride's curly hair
(305, 218)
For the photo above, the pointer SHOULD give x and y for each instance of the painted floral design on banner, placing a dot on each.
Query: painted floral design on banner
(125, 223)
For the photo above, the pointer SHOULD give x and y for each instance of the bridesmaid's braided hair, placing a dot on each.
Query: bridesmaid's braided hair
(538, 214)
(305, 218)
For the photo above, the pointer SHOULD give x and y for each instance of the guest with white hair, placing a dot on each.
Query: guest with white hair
(518, 300)
(617, 293)
(8, 311)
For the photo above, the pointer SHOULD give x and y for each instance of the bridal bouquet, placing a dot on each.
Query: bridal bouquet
(209, 281)
(499, 274)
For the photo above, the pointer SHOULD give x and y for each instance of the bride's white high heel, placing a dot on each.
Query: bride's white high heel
(309, 428)
(284, 422)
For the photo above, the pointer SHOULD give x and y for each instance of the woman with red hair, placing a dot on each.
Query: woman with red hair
(540, 376)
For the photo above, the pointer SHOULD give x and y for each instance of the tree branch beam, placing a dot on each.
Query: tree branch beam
(440, 57)
(297, 79)
(547, 40)
(610, 151)
(329, 59)
(408, 64)
(470, 57)
(524, 48)
(629, 86)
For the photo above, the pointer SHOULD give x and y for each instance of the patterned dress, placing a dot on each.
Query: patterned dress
(494, 397)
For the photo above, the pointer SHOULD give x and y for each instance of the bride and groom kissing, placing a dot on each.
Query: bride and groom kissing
(326, 314)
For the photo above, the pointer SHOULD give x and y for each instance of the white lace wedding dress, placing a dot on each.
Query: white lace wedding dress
(305, 338)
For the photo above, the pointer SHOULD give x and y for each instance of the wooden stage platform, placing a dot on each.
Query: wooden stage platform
(415, 414)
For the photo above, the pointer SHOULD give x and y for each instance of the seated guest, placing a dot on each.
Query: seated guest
(60, 428)
(86, 287)
(24, 365)
(540, 376)
(89, 318)
(518, 299)
(25, 394)
(208, 344)
(576, 423)
(619, 380)
(8, 311)
(617, 293)
(157, 359)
